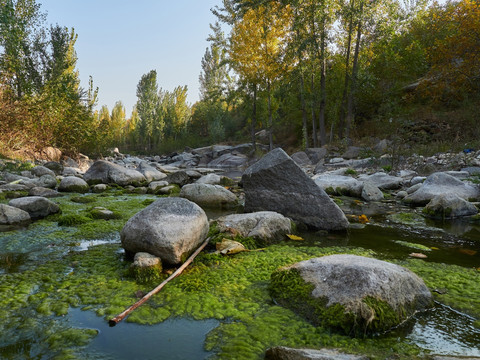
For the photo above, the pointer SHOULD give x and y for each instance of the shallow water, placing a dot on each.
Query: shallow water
(441, 330)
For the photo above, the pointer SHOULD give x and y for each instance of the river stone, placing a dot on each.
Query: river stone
(449, 206)
(43, 192)
(339, 184)
(441, 183)
(146, 267)
(36, 206)
(268, 226)
(42, 170)
(229, 161)
(285, 353)
(179, 178)
(47, 180)
(154, 186)
(209, 195)
(56, 167)
(276, 183)
(352, 294)
(170, 228)
(212, 179)
(105, 172)
(10, 215)
(370, 192)
(73, 184)
(150, 173)
(301, 158)
(353, 152)
(383, 181)
(316, 154)
(99, 188)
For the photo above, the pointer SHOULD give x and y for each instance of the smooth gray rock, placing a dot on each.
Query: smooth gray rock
(179, 178)
(352, 282)
(229, 161)
(105, 172)
(10, 215)
(383, 181)
(73, 184)
(353, 152)
(441, 183)
(449, 206)
(209, 195)
(316, 154)
(154, 186)
(417, 180)
(36, 206)
(47, 181)
(266, 225)
(371, 192)
(43, 192)
(55, 166)
(42, 170)
(285, 353)
(99, 188)
(150, 173)
(276, 183)
(170, 228)
(339, 184)
(212, 179)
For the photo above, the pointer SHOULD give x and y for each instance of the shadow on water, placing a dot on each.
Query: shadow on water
(178, 338)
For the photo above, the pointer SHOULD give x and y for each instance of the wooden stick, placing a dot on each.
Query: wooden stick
(120, 317)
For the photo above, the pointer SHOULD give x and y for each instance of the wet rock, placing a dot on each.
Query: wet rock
(209, 195)
(146, 267)
(179, 178)
(301, 158)
(383, 181)
(276, 183)
(150, 173)
(351, 294)
(441, 357)
(449, 206)
(170, 228)
(36, 206)
(105, 172)
(285, 353)
(339, 184)
(265, 225)
(43, 192)
(371, 192)
(442, 183)
(10, 215)
(73, 184)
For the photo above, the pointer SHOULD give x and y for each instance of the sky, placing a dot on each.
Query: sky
(120, 40)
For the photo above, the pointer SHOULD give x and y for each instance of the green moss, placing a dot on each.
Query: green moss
(350, 171)
(14, 194)
(73, 220)
(149, 274)
(84, 199)
(147, 202)
(99, 214)
(413, 245)
(330, 190)
(407, 218)
(477, 324)
(226, 181)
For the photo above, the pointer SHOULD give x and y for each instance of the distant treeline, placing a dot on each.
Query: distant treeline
(306, 71)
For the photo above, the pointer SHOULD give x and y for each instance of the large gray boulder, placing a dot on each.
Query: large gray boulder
(268, 226)
(47, 181)
(285, 353)
(209, 195)
(301, 158)
(351, 294)
(42, 170)
(370, 192)
(150, 173)
(229, 161)
(43, 192)
(105, 172)
(36, 206)
(449, 206)
(383, 181)
(339, 184)
(170, 228)
(73, 184)
(276, 183)
(441, 183)
(10, 215)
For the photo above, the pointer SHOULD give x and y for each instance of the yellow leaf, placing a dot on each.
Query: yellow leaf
(295, 237)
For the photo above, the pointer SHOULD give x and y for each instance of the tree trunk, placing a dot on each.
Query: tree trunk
(341, 123)
(254, 117)
(323, 97)
(270, 119)
(312, 107)
(304, 111)
(351, 95)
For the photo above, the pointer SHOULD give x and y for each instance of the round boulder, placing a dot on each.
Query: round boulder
(36, 206)
(449, 206)
(265, 225)
(351, 294)
(73, 184)
(10, 215)
(170, 228)
(105, 172)
(209, 195)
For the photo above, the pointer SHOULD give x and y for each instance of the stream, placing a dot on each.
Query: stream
(39, 263)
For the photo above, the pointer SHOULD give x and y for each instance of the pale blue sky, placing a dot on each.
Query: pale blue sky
(120, 40)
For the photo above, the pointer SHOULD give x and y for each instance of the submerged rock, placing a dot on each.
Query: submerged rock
(10, 215)
(352, 294)
(146, 267)
(268, 226)
(170, 228)
(442, 183)
(285, 353)
(276, 183)
(209, 195)
(105, 172)
(449, 206)
(35, 206)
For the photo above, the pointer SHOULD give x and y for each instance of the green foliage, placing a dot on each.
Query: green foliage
(73, 220)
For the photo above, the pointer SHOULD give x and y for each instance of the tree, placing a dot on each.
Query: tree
(147, 104)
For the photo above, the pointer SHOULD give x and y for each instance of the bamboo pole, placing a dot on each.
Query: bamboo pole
(114, 321)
